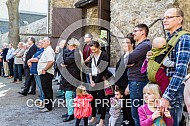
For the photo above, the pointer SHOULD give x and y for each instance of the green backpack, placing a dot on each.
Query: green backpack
(156, 61)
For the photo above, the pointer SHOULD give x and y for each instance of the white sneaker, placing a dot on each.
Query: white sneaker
(44, 110)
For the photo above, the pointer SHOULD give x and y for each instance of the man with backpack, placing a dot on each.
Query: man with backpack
(180, 54)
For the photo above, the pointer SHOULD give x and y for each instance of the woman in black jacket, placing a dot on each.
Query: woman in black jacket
(99, 66)
(71, 75)
(122, 81)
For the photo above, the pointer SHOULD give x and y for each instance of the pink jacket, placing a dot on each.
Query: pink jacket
(82, 107)
(145, 116)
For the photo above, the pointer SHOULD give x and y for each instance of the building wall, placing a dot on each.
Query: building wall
(37, 27)
(4, 26)
(59, 4)
(125, 14)
(25, 19)
(90, 13)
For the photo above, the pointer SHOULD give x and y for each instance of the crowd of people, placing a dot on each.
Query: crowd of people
(82, 74)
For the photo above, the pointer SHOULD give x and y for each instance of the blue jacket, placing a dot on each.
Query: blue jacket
(33, 69)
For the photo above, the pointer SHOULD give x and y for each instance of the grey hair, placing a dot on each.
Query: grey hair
(47, 38)
(73, 42)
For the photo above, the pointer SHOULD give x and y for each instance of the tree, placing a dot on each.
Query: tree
(12, 6)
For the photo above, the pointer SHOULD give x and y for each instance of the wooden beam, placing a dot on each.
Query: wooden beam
(49, 35)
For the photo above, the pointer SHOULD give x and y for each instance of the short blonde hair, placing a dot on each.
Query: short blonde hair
(80, 90)
(154, 88)
(73, 42)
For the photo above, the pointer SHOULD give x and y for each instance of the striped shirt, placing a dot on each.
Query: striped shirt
(181, 56)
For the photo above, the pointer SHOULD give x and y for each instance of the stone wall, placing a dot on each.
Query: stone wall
(125, 14)
(94, 30)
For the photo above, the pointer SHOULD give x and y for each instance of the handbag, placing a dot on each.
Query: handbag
(108, 89)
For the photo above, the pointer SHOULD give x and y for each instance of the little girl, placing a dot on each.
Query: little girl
(116, 105)
(82, 105)
(149, 113)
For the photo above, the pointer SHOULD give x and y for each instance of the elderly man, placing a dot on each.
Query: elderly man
(10, 59)
(46, 71)
(29, 79)
(18, 61)
(173, 96)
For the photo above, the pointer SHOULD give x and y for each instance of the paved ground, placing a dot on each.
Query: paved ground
(14, 110)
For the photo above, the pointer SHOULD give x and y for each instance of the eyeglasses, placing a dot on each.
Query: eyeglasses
(136, 31)
(169, 17)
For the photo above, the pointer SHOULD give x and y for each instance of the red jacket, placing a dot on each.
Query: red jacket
(82, 106)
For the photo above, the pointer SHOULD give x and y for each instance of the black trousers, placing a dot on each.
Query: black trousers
(85, 121)
(29, 81)
(10, 64)
(127, 110)
(46, 80)
(1, 70)
(98, 99)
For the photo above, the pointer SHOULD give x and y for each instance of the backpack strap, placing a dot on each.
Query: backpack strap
(154, 64)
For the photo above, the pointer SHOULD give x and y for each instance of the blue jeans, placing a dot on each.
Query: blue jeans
(87, 79)
(136, 96)
(38, 82)
(177, 106)
(18, 72)
(69, 96)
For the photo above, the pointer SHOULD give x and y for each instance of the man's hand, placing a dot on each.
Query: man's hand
(127, 90)
(29, 64)
(43, 71)
(167, 113)
(62, 65)
(164, 104)
(148, 54)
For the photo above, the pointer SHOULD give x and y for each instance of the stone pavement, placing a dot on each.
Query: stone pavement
(14, 110)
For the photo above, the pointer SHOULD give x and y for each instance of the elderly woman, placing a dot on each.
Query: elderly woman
(71, 75)
(98, 65)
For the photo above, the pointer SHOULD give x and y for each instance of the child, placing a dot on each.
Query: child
(149, 113)
(161, 79)
(116, 105)
(82, 105)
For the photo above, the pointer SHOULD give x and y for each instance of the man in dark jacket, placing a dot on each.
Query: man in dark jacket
(29, 79)
(137, 80)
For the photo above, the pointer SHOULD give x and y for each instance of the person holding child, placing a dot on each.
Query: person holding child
(149, 113)
(158, 44)
(82, 105)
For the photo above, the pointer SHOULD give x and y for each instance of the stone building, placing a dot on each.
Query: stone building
(124, 14)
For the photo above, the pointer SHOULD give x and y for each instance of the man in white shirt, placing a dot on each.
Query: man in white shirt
(46, 71)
